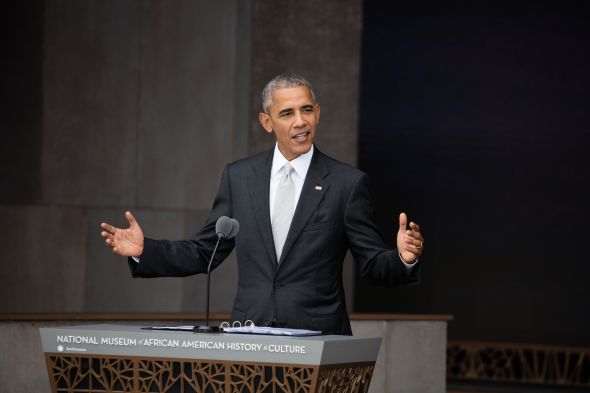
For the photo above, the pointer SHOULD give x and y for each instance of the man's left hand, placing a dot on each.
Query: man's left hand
(410, 242)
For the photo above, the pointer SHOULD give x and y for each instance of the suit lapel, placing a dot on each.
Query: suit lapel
(258, 186)
(314, 189)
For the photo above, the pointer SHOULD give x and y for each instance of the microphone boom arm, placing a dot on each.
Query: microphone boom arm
(226, 228)
(209, 279)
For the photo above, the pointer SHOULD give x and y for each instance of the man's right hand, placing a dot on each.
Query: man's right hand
(126, 242)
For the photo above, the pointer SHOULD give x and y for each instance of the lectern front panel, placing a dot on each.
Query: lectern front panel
(115, 358)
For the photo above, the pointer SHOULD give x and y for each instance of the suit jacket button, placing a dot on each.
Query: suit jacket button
(277, 285)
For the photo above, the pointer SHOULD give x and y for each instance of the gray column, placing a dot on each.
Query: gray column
(321, 41)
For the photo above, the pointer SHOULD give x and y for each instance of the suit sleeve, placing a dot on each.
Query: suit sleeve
(378, 262)
(165, 258)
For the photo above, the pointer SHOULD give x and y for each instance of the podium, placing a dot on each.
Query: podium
(119, 358)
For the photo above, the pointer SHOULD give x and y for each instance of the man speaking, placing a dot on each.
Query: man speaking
(299, 212)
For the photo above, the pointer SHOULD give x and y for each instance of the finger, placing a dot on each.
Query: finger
(108, 227)
(415, 226)
(415, 235)
(110, 243)
(403, 221)
(418, 250)
(414, 241)
(414, 249)
(107, 235)
(130, 218)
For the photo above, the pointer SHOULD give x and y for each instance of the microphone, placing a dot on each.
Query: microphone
(225, 228)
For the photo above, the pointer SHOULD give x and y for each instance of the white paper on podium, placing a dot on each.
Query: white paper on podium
(248, 330)
(177, 328)
(272, 331)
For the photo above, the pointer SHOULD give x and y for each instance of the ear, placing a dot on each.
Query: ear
(264, 120)
(317, 108)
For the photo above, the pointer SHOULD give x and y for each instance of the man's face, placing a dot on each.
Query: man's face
(293, 117)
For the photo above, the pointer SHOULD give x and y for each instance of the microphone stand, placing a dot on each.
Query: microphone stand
(206, 328)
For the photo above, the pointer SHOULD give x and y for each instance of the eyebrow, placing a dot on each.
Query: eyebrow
(285, 111)
(289, 110)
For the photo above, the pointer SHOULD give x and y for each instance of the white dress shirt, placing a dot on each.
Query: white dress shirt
(300, 167)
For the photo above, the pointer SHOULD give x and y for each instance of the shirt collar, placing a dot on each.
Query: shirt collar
(299, 164)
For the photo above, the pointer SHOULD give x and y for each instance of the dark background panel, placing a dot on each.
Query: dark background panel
(21, 102)
(473, 119)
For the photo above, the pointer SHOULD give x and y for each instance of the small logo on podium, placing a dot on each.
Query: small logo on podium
(60, 348)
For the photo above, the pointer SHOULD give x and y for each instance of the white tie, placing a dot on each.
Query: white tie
(283, 209)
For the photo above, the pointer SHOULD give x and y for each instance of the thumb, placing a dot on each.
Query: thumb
(131, 219)
(403, 222)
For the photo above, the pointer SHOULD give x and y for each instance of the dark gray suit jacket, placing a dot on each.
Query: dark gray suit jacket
(303, 290)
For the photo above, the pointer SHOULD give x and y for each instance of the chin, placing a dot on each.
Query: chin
(303, 149)
(297, 150)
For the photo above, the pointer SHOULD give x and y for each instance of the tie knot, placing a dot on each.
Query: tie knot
(287, 170)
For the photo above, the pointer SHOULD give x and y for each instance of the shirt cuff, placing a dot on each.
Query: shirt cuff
(136, 259)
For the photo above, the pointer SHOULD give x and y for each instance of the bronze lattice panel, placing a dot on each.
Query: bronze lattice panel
(77, 374)
(251, 378)
(533, 364)
(345, 379)
(90, 374)
(167, 376)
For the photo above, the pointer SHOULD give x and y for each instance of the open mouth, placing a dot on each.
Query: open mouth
(301, 135)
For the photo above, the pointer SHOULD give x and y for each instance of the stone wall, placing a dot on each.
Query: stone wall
(138, 105)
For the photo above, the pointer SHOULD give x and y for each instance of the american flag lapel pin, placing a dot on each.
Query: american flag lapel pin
(318, 188)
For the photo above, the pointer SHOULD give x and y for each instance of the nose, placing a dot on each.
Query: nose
(299, 122)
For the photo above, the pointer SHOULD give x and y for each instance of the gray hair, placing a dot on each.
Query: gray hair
(282, 81)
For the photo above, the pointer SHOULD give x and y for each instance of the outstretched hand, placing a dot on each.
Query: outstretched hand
(126, 242)
(409, 240)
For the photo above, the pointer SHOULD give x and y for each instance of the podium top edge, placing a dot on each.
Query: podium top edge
(115, 328)
(131, 340)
